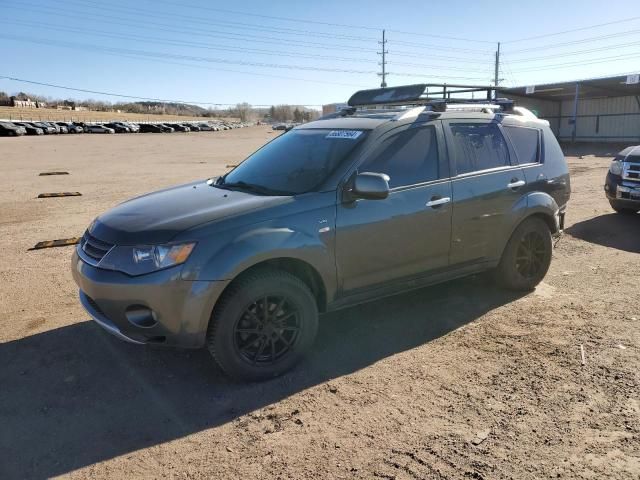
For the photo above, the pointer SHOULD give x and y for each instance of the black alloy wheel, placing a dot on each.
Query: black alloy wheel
(267, 330)
(263, 324)
(531, 254)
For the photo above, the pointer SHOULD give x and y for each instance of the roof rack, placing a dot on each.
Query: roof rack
(435, 95)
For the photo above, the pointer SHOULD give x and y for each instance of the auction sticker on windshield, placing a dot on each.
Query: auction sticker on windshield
(348, 134)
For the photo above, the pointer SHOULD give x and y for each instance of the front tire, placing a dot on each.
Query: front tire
(527, 256)
(262, 325)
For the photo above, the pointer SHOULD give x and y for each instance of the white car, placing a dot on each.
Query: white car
(100, 129)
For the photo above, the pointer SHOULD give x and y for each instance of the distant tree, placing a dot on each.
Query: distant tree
(297, 115)
(242, 111)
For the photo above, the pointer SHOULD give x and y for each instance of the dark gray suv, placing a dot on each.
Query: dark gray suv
(355, 206)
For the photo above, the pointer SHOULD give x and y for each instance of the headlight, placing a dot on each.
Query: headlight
(616, 168)
(143, 259)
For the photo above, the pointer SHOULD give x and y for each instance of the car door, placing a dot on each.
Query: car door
(486, 186)
(408, 233)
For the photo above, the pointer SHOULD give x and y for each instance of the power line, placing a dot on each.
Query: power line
(443, 37)
(205, 33)
(578, 63)
(624, 20)
(343, 25)
(249, 38)
(576, 42)
(441, 47)
(120, 95)
(577, 52)
(102, 33)
(89, 47)
(173, 16)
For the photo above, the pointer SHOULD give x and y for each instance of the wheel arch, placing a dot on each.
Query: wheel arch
(297, 267)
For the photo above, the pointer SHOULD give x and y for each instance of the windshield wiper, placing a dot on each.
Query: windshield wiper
(251, 187)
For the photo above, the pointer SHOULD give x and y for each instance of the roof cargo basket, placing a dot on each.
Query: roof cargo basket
(436, 95)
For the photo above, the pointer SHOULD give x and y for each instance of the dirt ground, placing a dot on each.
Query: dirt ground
(456, 381)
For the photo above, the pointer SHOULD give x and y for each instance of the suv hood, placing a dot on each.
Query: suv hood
(159, 216)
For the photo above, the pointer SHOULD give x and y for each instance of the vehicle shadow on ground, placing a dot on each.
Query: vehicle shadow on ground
(74, 396)
(611, 230)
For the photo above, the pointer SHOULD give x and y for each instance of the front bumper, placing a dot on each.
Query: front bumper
(626, 194)
(179, 309)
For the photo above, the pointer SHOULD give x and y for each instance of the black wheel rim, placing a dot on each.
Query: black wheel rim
(530, 255)
(267, 330)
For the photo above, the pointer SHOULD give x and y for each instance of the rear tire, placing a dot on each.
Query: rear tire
(527, 256)
(262, 325)
(622, 210)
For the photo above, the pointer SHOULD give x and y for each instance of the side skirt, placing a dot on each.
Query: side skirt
(406, 285)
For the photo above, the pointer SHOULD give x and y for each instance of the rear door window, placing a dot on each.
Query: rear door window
(409, 157)
(478, 146)
(526, 143)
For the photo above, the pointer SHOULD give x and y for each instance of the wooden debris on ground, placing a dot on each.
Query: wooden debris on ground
(63, 242)
(59, 194)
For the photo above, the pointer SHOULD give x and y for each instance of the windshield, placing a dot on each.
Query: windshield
(295, 162)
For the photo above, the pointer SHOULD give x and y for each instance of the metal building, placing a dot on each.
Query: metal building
(593, 110)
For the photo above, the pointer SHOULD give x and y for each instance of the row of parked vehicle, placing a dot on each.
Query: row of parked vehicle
(15, 129)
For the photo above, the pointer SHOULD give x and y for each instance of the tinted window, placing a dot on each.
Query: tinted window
(526, 142)
(478, 146)
(408, 158)
(296, 161)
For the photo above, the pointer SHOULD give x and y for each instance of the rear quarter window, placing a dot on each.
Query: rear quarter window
(526, 143)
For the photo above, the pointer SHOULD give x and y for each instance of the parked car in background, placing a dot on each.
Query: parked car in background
(47, 129)
(622, 185)
(205, 127)
(166, 128)
(55, 127)
(150, 128)
(193, 127)
(71, 127)
(178, 127)
(118, 127)
(99, 129)
(134, 127)
(8, 129)
(30, 128)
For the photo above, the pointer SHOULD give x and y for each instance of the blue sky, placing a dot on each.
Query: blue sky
(303, 52)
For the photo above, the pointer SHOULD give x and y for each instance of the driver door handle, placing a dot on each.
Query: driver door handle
(437, 201)
(515, 183)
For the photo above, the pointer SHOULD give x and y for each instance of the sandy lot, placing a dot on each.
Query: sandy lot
(400, 388)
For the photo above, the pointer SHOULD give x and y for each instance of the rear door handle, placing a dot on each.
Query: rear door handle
(515, 183)
(437, 201)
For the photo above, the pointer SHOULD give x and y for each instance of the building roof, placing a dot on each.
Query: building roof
(590, 88)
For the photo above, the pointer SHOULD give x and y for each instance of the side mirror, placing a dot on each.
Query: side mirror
(370, 186)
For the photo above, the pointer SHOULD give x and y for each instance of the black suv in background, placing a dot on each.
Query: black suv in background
(358, 205)
(30, 128)
(622, 186)
(8, 129)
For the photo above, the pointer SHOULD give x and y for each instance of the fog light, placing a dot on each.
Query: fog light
(141, 316)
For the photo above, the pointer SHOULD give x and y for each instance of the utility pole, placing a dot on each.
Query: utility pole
(496, 77)
(384, 60)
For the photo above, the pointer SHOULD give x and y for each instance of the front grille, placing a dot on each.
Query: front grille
(94, 248)
(631, 171)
